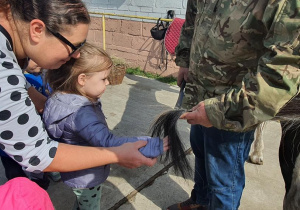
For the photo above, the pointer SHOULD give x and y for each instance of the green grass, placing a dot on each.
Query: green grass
(137, 71)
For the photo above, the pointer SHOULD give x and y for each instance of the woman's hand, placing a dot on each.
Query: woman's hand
(129, 156)
(197, 116)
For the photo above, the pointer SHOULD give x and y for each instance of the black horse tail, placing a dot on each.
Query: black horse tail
(166, 125)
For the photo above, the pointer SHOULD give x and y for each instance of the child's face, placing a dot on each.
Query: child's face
(95, 84)
(33, 68)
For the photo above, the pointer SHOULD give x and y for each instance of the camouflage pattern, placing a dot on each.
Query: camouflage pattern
(243, 59)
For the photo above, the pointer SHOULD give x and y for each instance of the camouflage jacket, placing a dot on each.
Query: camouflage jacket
(243, 59)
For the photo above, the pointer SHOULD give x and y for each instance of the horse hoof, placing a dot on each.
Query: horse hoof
(255, 159)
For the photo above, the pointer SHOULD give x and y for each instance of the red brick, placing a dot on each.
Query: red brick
(96, 23)
(131, 27)
(146, 29)
(122, 40)
(113, 25)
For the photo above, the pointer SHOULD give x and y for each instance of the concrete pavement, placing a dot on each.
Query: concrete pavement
(130, 108)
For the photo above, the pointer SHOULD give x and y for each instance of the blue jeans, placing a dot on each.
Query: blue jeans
(219, 166)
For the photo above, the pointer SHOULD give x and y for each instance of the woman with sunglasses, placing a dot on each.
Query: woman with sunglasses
(49, 32)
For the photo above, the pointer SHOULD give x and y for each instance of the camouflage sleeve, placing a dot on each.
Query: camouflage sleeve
(185, 40)
(276, 81)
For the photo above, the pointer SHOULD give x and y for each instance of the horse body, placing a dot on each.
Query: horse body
(289, 159)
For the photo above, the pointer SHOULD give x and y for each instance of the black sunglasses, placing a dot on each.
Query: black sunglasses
(67, 42)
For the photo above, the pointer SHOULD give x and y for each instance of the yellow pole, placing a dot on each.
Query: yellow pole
(103, 32)
(131, 16)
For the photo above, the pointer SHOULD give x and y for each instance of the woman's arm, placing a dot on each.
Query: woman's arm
(72, 158)
(92, 127)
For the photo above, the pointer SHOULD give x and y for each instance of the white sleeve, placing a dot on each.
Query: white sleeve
(22, 133)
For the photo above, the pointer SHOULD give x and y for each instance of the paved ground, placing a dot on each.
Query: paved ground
(130, 108)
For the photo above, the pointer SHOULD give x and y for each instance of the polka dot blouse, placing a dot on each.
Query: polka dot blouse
(22, 134)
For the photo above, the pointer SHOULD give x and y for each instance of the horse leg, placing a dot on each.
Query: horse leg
(256, 156)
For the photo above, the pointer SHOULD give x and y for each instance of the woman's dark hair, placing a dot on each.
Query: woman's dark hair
(56, 14)
(4, 5)
(166, 125)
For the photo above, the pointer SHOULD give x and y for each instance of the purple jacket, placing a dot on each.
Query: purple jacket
(73, 119)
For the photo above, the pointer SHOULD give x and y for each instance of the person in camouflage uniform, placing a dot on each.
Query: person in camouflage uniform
(240, 59)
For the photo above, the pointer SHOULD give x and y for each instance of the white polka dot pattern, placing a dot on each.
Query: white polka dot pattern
(22, 134)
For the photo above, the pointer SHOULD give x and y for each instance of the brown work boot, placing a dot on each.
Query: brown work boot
(187, 205)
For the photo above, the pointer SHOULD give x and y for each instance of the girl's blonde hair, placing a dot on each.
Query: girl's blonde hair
(91, 60)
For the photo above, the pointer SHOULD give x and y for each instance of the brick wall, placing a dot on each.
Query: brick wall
(130, 39)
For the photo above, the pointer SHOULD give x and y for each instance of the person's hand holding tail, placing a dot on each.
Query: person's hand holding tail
(197, 115)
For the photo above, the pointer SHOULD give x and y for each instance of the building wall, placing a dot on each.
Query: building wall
(130, 39)
(150, 8)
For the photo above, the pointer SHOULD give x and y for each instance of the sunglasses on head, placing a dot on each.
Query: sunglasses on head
(67, 42)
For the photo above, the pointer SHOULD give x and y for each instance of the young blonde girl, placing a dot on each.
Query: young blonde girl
(73, 114)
